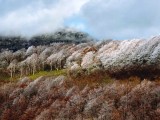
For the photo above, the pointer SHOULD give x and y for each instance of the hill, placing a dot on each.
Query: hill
(101, 80)
(62, 36)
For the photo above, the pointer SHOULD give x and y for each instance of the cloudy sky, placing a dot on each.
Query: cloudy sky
(116, 19)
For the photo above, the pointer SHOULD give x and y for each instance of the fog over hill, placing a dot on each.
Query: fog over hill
(60, 36)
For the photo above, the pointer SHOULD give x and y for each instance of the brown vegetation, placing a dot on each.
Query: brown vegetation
(93, 96)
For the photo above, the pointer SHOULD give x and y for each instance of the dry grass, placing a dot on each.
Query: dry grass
(96, 78)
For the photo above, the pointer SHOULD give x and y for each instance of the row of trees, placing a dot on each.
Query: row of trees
(34, 59)
(116, 57)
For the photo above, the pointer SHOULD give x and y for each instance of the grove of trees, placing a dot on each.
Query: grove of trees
(118, 58)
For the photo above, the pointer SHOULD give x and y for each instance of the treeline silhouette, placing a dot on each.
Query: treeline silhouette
(15, 43)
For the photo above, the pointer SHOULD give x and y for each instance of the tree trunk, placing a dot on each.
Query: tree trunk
(11, 73)
(51, 67)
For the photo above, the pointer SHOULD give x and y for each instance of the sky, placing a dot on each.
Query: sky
(102, 19)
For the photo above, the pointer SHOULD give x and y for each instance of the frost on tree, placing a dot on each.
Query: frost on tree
(30, 50)
(44, 55)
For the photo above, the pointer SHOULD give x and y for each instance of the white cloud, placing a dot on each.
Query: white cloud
(122, 19)
(117, 19)
(37, 16)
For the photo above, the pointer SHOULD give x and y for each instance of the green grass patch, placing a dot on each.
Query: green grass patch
(48, 73)
(5, 77)
(107, 80)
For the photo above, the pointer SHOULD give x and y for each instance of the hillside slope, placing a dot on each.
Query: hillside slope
(119, 59)
(106, 80)
(48, 98)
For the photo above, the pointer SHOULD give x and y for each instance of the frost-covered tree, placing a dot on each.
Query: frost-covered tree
(88, 60)
(44, 55)
(30, 64)
(3, 64)
(12, 68)
(51, 60)
(33, 62)
(19, 55)
(30, 50)
(57, 59)
(40, 49)
(23, 68)
(7, 56)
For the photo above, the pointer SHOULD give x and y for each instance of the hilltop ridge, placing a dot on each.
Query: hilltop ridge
(60, 36)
